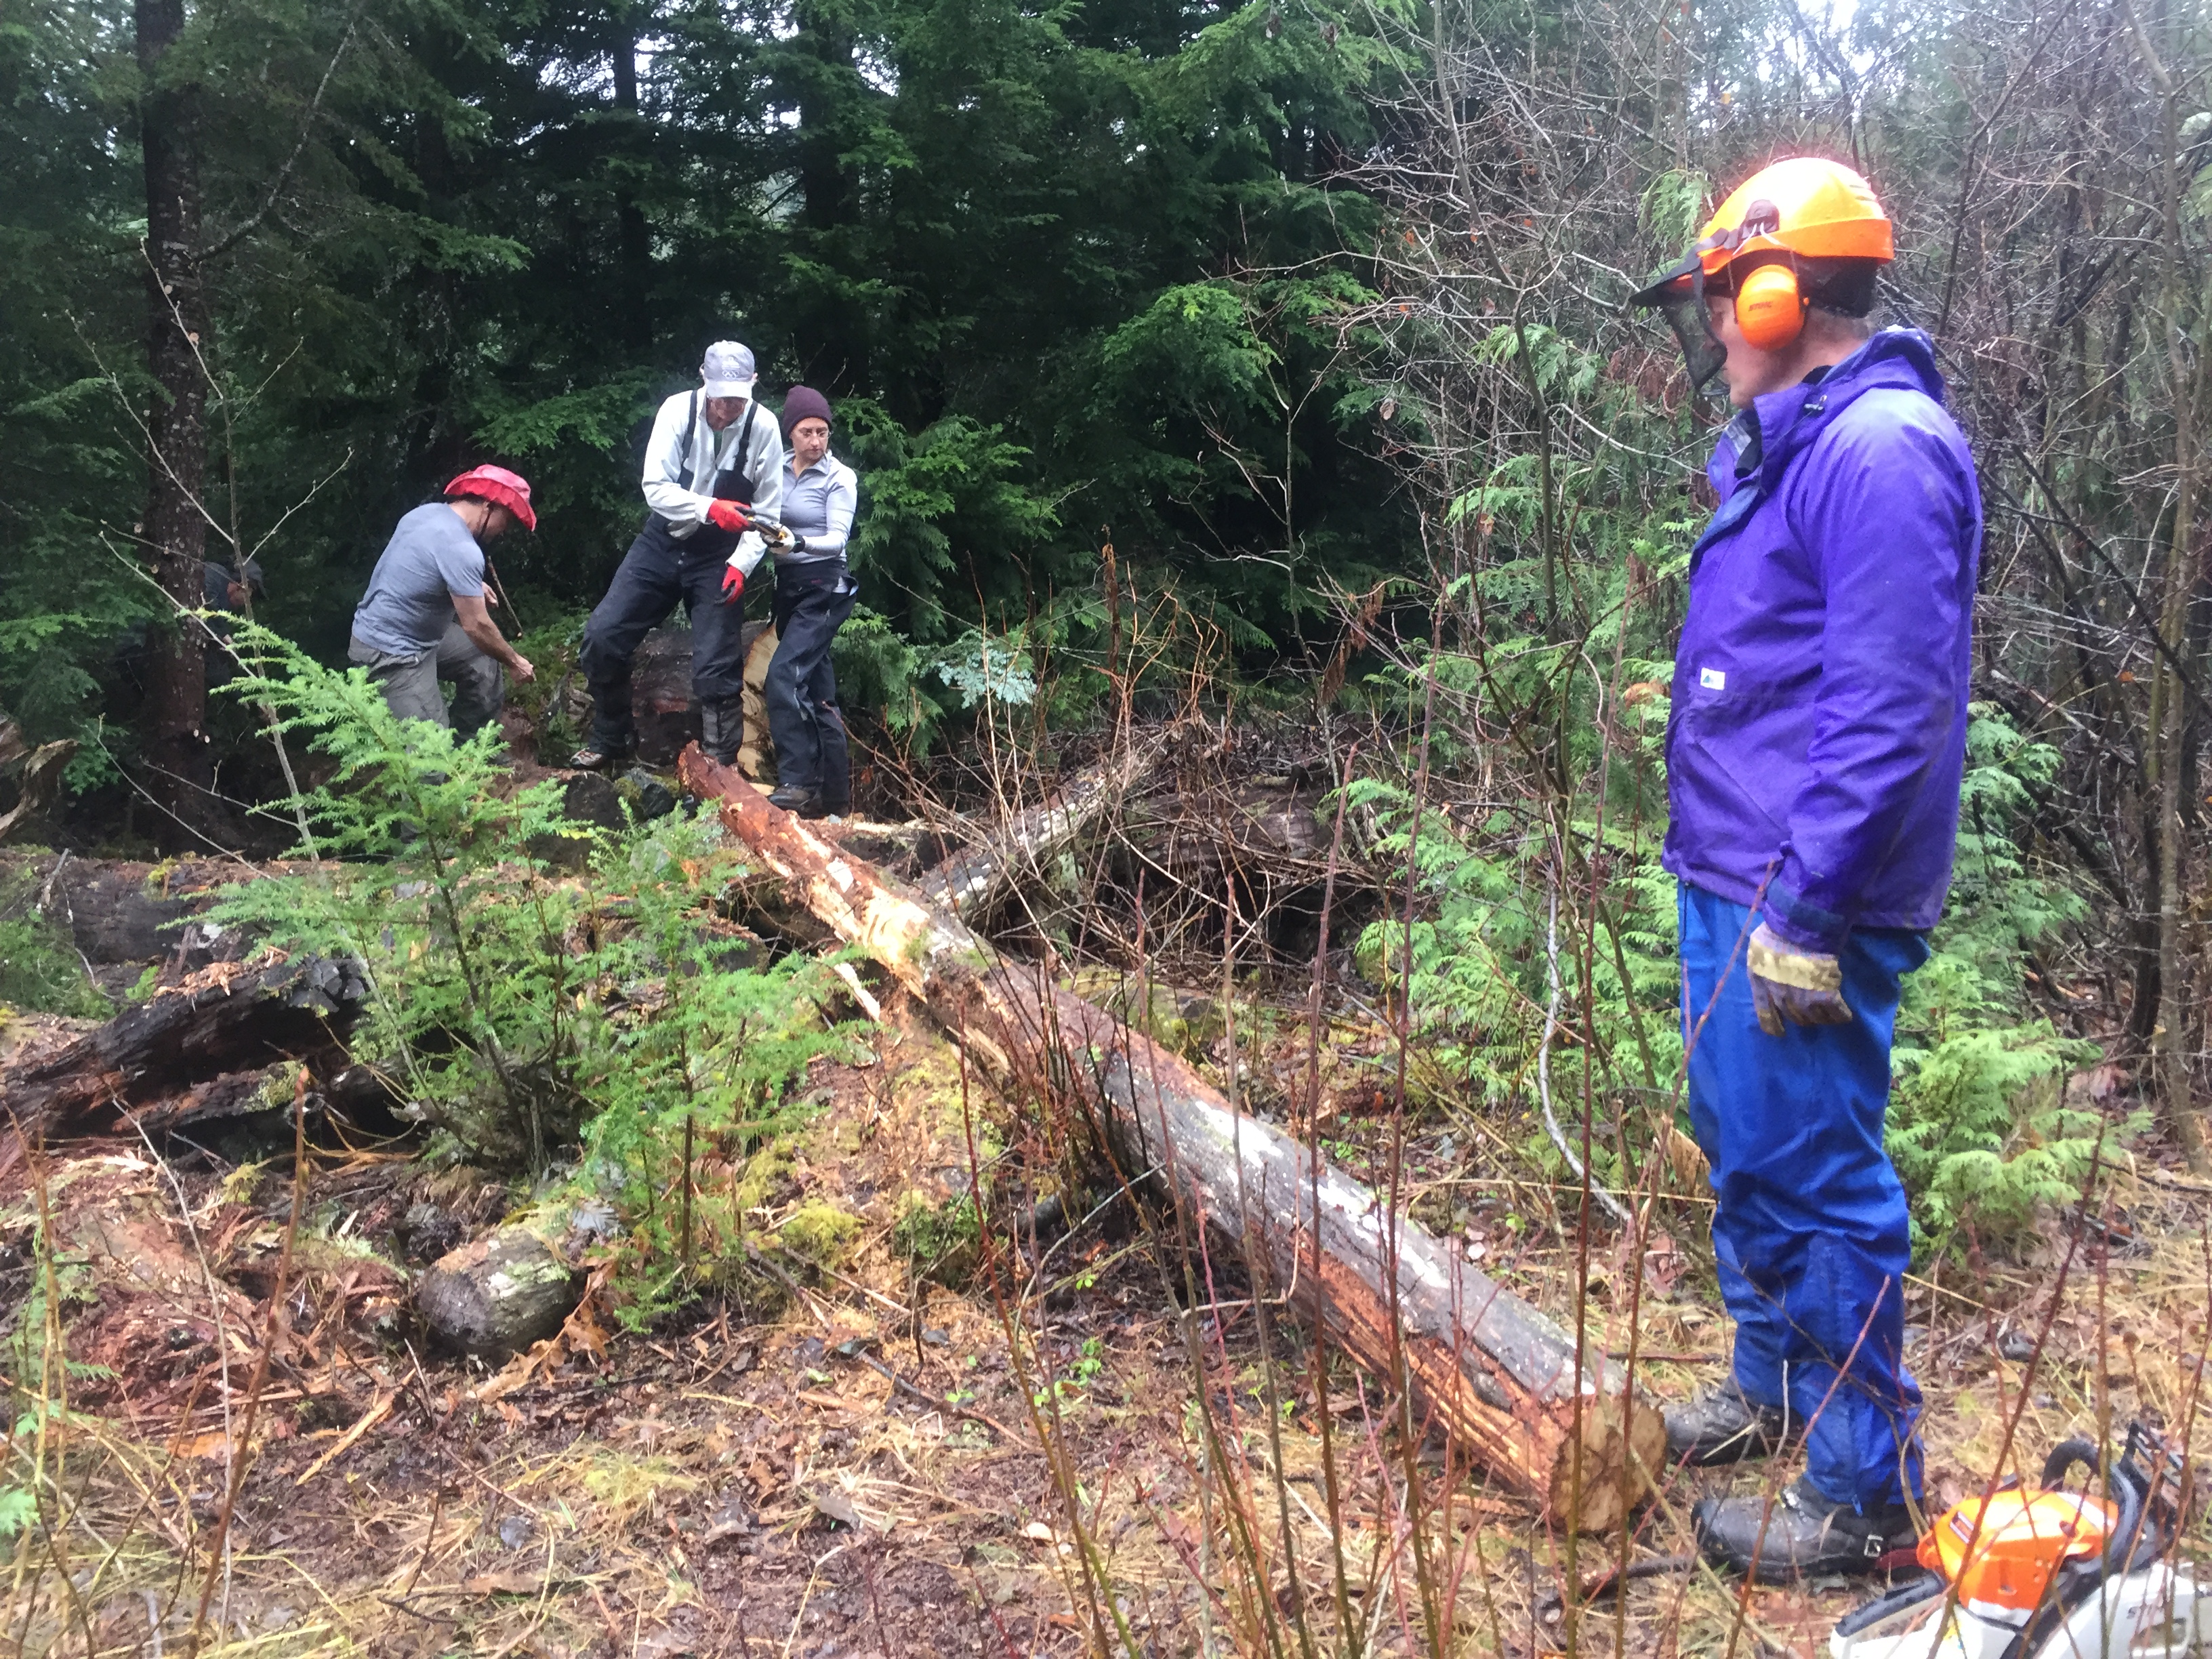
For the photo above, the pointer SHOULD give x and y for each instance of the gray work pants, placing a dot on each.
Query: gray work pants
(409, 683)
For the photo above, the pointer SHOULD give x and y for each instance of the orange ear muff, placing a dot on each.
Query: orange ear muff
(1769, 308)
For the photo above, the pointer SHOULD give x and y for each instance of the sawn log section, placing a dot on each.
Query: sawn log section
(1497, 1375)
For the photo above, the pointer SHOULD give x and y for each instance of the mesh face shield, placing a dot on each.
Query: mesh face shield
(1679, 295)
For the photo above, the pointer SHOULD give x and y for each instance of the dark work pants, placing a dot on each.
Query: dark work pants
(656, 572)
(1810, 1232)
(801, 692)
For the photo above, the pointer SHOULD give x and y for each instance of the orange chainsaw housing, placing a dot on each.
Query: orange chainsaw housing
(2001, 1551)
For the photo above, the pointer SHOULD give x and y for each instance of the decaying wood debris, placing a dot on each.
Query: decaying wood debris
(123, 915)
(30, 780)
(201, 1048)
(1497, 1375)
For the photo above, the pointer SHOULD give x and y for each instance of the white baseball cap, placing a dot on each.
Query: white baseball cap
(728, 370)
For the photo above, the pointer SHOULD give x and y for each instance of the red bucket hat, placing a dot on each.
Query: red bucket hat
(501, 488)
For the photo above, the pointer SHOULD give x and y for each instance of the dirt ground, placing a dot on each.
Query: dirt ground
(886, 1466)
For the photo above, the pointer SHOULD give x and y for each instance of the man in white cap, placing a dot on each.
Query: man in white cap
(714, 461)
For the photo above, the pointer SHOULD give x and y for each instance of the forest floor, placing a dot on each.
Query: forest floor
(887, 1465)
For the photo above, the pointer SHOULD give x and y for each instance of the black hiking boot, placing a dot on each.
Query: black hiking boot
(595, 756)
(1723, 1424)
(804, 802)
(1798, 1533)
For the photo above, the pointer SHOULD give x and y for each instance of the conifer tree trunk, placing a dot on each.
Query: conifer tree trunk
(175, 532)
(835, 352)
(636, 238)
(2166, 740)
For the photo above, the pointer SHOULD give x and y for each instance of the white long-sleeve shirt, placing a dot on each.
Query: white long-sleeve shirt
(679, 479)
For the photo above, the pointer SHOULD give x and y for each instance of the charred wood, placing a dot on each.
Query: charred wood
(183, 1050)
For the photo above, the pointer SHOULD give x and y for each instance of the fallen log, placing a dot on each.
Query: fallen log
(1495, 1374)
(497, 1296)
(228, 1020)
(971, 883)
(123, 915)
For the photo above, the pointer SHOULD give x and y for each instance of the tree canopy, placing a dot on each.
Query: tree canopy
(1069, 273)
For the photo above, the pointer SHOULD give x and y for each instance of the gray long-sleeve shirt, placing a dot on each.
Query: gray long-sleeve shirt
(818, 504)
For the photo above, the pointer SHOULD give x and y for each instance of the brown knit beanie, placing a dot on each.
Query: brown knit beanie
(804, 403)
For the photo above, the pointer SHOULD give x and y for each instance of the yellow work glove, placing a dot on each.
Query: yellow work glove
(1792, 985)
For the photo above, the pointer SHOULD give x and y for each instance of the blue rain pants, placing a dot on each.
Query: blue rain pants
(1810, 1230)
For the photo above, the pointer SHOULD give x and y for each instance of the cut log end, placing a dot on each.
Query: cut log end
(1599, 1476)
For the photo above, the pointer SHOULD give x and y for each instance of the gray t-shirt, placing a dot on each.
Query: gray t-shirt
(408, 606)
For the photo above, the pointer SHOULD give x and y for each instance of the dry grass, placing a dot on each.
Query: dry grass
(1044, 1484)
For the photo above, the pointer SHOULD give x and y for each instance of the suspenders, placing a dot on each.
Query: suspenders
(691, 430)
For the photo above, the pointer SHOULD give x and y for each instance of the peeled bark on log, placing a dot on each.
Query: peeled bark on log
(228, 1019)
(1498, 1375)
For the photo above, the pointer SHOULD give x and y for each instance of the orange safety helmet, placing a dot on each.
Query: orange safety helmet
(1780, 228)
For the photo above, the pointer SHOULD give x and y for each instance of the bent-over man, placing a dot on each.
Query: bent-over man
(425, 618)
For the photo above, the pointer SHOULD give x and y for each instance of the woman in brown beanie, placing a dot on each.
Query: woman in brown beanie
(814, 594)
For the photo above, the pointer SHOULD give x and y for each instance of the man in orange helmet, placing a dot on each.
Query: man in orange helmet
(1814, 750)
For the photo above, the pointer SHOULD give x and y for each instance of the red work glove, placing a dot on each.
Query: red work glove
(728, 515)
(733, 582)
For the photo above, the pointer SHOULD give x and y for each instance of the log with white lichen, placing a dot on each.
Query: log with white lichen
(1498, 1376)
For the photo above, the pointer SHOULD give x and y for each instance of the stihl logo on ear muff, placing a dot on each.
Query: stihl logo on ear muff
(1770, 308)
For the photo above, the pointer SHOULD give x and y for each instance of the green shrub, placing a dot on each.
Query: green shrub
(1979, 1125)
(42, 973)
(941, 1243)
(514, 1006)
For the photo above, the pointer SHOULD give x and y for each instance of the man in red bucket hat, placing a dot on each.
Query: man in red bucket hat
(425, 617)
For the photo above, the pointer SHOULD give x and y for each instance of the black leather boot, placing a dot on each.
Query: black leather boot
(598, 756)
(792, 798)
(1723, 1424)
(1798, 1533)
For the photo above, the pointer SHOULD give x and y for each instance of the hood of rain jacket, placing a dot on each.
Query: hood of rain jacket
(1818, 731)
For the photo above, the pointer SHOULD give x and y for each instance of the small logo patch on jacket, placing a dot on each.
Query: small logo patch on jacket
(1713, 679)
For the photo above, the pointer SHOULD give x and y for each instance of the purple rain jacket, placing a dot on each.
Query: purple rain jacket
(1818, 732)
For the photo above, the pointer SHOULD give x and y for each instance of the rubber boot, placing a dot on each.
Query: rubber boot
(722, 729)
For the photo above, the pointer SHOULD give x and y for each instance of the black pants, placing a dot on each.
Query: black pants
(656, 572)
(801, 692)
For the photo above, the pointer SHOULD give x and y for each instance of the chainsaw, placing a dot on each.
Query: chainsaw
(2044, 1572)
